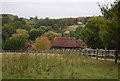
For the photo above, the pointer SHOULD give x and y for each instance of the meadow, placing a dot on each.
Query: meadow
(56, 66)
(72, 27)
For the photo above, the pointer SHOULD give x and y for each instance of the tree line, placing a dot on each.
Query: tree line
(102, 31)
(97, 32)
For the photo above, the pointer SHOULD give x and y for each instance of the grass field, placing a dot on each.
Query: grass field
(56, 66)
(72, 27)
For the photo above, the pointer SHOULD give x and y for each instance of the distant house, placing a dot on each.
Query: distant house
(66, 42)
(79, 23)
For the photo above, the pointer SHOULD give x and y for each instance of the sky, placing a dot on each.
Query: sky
(53, 8)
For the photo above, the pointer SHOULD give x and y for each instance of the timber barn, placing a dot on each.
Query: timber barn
(66, 43)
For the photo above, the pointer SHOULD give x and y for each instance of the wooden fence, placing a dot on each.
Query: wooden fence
(98, 53)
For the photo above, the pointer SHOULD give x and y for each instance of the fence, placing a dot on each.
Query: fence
(98, 53)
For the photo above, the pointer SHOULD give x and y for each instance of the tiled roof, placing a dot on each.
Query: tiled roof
(65, 42)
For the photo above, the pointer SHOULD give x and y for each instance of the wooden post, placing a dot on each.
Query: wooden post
(105, 54)
(81, 51)
(97, 53)
(116, 55)
(84, 51)
(94, 52)
(102, 52)
(90, 52)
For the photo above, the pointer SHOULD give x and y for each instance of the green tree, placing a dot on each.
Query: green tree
(72, 34)
(51, 34)
(46, 28)
(10, 28)
(110, 32)
(7, 18)
(55, 27)
(17, 41)
(42, 43)
(34, 33)
(67, 33)
(77, 32)
(90, 33)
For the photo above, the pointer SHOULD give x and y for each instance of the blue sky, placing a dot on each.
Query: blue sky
(52, 8)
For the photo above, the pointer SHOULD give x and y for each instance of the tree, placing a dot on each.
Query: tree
(77, 32)
(10, 28)
(55, 27)
(7, 18)
(17, 41)
(110, 32)
(51, 34)
(42, 43)
(34, 33)
(67, 33)
(72, 34)
(90, 33)
(45, 28)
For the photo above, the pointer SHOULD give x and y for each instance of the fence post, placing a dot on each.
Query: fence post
(116, 55)
(105, 54)
(84, 52)
(79, 51)
(97, 53)
(102, 52)
(90, 52)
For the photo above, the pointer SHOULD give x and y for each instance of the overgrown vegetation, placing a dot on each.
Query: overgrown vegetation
(56, 66)
(42, 43)
(17, 41)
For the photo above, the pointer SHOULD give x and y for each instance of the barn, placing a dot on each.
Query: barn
(66, 43)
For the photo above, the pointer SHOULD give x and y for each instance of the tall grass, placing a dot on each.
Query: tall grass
(56, 66)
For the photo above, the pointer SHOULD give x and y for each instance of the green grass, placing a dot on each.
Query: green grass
(56, 66)
(72, 27)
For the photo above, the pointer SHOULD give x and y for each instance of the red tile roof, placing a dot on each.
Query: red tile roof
(65, 42)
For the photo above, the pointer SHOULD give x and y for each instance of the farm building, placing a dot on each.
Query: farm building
(67, 43)
(79, 23)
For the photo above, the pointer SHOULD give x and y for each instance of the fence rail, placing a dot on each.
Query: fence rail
(98, 53)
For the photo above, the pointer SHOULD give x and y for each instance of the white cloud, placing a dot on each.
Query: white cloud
(52, 8)
(57, 0)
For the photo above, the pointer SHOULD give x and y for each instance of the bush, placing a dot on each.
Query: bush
(42, 43)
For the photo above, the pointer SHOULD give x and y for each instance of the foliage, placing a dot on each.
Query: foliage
(7, 18)
(45, 28)
(66, 34)
(60, 23)
(110, 32)
(71, 28)
(10, 28)
(42, 43)
(17, 41)
(77, 32)
(90, 33)
(32, 21)
(37, 27)
(34, 33)
(56, 66)
(55, 27)
(51, 34)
